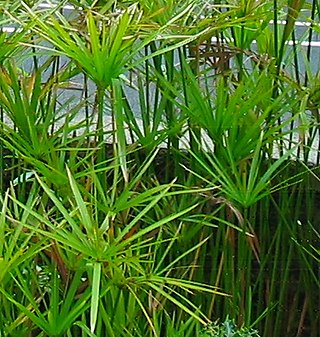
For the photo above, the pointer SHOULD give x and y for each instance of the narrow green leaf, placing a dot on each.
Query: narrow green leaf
(95, 298)
(85, 216)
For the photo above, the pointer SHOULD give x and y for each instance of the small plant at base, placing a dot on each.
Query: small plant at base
(227, 328)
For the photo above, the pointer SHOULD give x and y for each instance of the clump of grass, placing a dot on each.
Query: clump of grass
(227, 328)
(165, 193)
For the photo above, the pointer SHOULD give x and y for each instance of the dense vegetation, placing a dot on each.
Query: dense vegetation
(159, 168)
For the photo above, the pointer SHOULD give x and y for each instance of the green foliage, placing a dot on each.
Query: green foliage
(151, 174)
(227, 329)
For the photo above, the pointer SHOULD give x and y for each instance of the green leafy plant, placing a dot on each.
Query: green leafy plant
(151, 175)
(227, 328)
